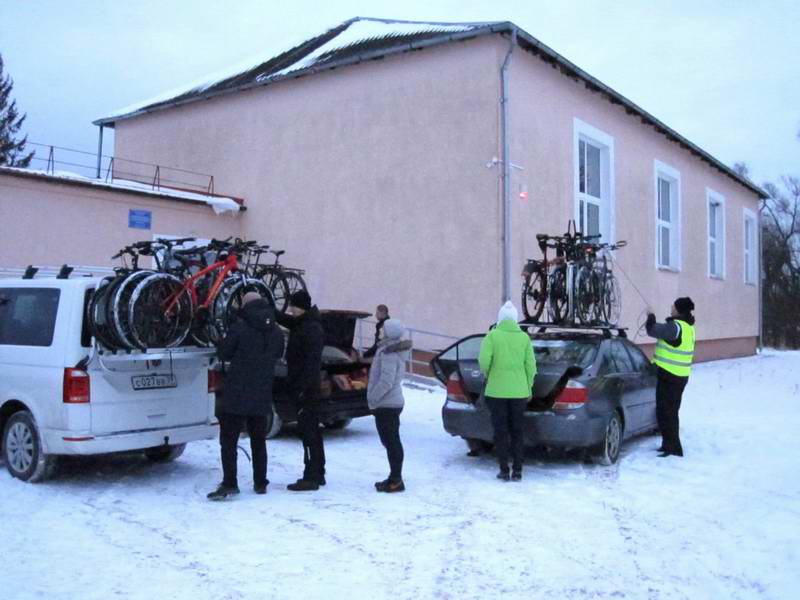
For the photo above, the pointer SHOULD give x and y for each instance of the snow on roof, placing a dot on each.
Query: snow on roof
(219, 204)
(359, 33)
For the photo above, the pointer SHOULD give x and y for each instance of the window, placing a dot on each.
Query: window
(594, 181)
(618, 358)
(668, 217)
(716, 234)
(28, 316)
(750, 247)
(640, 362)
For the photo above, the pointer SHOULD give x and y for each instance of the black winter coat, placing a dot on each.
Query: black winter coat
(304, 354)
(253, 345)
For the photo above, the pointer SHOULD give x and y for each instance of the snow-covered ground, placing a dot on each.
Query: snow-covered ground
(721, 523)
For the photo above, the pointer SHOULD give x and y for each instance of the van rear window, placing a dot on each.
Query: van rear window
(28, 316)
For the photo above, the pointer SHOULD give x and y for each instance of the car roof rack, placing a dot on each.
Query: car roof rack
(606, 330)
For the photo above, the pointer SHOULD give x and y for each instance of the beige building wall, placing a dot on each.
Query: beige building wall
(372, 177)
(544, 104)
(50, 223)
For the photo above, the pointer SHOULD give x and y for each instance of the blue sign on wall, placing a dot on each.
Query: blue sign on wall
(140, 219)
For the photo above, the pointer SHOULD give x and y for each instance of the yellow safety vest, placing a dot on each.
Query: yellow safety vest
(677, 360)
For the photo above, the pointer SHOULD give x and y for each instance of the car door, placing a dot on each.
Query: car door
(461, 358)
(644, 396)
(622, 366)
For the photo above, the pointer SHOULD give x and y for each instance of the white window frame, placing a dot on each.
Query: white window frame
(588, 133)
(750, 256)
(716, 197)
(673, 176)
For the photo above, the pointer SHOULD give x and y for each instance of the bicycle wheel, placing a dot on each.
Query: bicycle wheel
(224, 309)
(97, 313)
(612, 300)
(281, 292)
(294, 281)
(160, 312)
(558, 295)
(120, 307)
(586, 296)
(534, 296)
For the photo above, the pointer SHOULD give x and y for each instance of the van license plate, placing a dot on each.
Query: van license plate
(153, 382)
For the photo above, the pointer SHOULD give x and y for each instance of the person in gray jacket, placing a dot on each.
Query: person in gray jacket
(385, 398)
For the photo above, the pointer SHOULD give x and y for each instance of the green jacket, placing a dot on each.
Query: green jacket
(507, 360)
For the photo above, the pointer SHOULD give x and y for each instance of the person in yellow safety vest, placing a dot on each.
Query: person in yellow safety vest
(673, 356)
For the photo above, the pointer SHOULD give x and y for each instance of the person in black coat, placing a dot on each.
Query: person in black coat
(304, 362)
(252, 346)
(382, 314)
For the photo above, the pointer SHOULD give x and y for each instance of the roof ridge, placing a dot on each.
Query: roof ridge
(439, 23)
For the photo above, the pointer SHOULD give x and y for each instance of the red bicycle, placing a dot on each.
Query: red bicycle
(164, 309)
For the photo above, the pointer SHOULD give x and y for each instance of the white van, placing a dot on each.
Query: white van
(61, 394)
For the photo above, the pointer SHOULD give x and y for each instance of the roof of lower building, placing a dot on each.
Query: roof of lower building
(219, 204)
(361, 39)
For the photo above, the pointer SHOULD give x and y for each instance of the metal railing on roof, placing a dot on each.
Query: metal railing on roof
(51, 159)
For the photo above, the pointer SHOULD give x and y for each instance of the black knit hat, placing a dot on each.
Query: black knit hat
(301, 299)
(684, 305)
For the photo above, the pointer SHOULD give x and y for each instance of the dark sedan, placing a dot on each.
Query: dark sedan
(593, 390)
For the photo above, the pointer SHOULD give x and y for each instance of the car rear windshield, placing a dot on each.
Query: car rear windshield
(579, 353)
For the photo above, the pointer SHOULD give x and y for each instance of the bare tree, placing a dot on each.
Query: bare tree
(781, 262)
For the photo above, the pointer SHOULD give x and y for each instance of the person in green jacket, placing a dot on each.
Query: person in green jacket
(506, 359)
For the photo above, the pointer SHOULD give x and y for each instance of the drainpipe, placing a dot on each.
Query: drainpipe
(99, 152)
(504, 98)
(760, 283)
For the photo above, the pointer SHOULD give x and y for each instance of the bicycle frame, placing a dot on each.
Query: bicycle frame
(230, 264)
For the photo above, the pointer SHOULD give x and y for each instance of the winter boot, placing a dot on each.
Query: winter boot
(260, 488)
(390, 486)
(516, 475)
(503, 475)
(303, 485)
(222, 492)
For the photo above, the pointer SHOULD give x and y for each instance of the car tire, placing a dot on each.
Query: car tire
(274, 424)
(22, 449)
(162, 454)
(338, 424)
(609, 450)
(477, 446)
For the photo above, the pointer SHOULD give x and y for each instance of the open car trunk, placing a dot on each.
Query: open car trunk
(460, 362)
(343, 370)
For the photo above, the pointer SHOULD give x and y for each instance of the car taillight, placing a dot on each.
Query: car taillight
(77, 389)
(574, 395)
(455, 388)
(214, 381)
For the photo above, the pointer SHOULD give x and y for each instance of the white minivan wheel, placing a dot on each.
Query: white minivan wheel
(22, 449)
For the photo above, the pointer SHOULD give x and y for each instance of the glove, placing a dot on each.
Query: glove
(651, 320)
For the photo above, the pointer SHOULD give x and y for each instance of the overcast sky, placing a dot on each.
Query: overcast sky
(725, 73)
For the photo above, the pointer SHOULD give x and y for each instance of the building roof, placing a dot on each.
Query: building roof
(361, 39)
(219, 204)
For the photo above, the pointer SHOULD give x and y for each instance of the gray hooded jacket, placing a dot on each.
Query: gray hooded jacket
(388, 368)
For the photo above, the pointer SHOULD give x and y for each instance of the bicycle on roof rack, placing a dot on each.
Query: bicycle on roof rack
(212, 296)
(577, 286)
(193, 291)
(282, 281)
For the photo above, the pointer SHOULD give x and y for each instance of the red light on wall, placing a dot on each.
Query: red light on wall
(523, 195)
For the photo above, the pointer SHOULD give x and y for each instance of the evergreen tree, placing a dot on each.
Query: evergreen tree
(12, 152)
